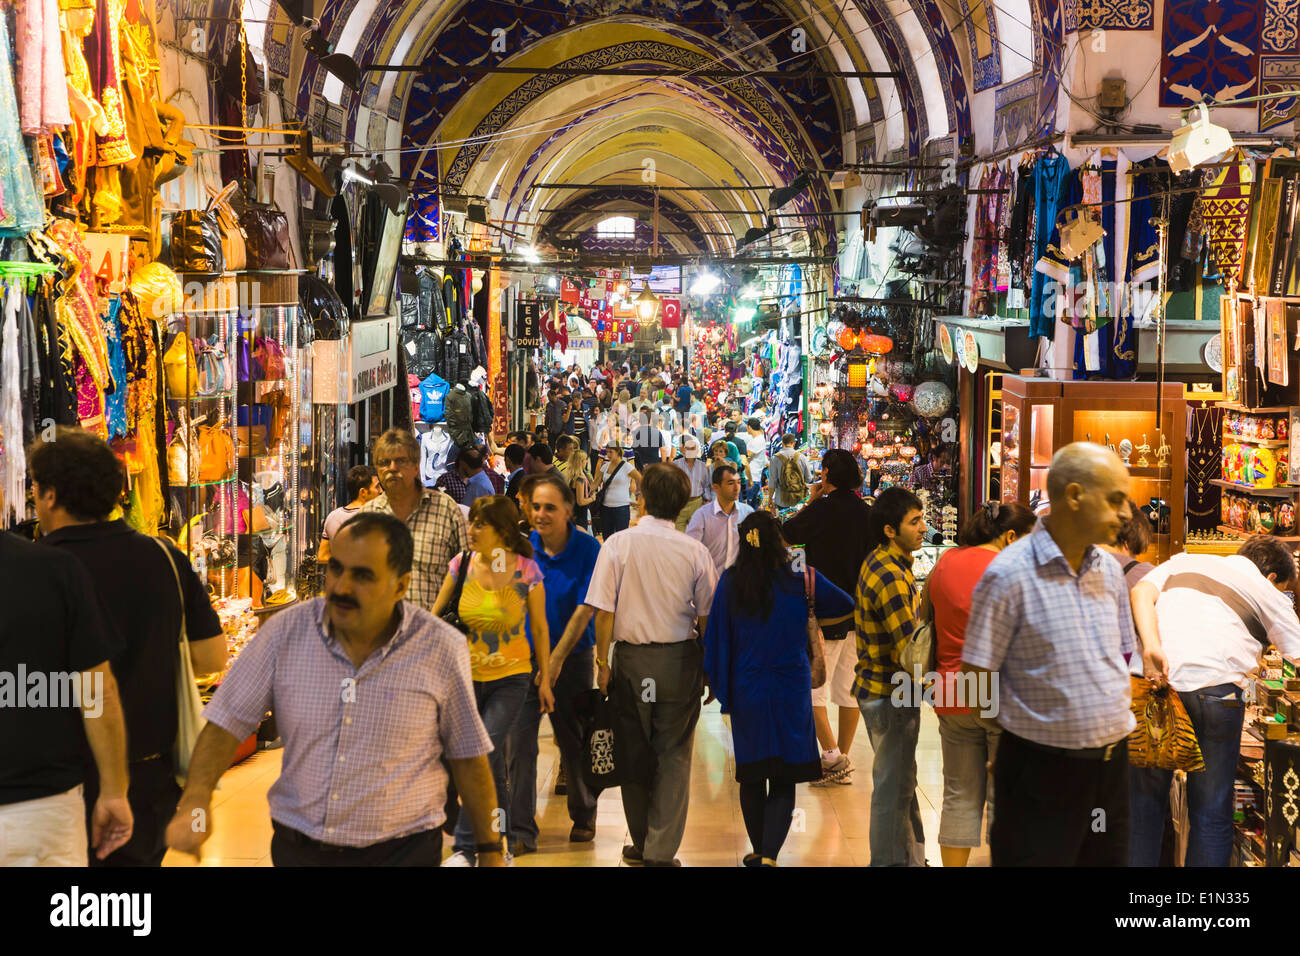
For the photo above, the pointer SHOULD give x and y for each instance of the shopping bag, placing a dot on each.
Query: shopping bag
(611, 756)
(189, 706)
(1164, 737)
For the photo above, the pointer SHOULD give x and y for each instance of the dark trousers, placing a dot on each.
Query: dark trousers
(153, 795)
(575, 677)
(1058, 810)
(613, 520)
(291, 848)
(1217, 715)
(657, 688)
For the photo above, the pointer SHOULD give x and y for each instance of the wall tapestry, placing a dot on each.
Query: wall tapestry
(1210, 50)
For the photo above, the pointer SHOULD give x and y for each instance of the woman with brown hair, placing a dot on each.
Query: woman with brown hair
(969, 742)
(500, 587)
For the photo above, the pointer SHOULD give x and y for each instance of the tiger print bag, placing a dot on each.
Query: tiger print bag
(1164, 737)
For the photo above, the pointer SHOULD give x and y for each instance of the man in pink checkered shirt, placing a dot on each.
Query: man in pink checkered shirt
(370, 692)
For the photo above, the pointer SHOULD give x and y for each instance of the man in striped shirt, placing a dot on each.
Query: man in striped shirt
(884, 619)
(369, 692)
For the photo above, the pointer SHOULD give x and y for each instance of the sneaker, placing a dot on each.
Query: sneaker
(834, 773)
(457, 859)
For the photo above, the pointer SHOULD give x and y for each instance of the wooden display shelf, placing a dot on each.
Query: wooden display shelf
(1261, 442)
(1272, 410)
(1150, 471)
(1243, 535)
(1284, 491)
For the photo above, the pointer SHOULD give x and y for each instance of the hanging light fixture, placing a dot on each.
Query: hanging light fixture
(339, 65)
(647, 304)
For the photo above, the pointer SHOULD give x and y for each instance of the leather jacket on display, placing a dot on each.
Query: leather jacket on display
(460, 417)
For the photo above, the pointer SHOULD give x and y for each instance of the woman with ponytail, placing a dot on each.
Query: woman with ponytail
(756, 659)
(969, 742)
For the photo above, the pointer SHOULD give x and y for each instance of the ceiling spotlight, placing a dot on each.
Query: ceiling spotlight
(337, 64)
(756, 233)
(530, 254)
(744, 314)
(647, 304)
(1197, 142)
(782, 195)
(706, 283)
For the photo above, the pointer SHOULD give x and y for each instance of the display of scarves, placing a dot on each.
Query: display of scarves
(43, 90)
(146, 507)
(1051, 187)
(79, 309)
(24, 209)
(13, 460)
(1225, 212)
(1002, 280)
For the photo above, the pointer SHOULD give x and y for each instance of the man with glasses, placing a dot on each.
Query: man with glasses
(437, 523)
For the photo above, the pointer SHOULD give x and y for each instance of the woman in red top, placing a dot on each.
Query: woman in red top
(969, 741)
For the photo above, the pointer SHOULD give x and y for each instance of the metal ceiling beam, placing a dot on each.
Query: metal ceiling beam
(457, 71)
(652, 186)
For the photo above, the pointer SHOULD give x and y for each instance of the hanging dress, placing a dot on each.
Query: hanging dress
(24, 210)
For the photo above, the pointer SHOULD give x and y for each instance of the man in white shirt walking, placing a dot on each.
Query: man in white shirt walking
(717, 524)
(698, 474)
(1204, 620)
(651, 587)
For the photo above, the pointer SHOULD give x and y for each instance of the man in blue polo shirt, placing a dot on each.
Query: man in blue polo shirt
(567, 557)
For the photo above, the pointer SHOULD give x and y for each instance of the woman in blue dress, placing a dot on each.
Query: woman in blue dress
(756, 659)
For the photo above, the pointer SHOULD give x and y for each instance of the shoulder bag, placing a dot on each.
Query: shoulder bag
(196, 243)
(918, 656)
(451, 613)
(816, 648)
(599, 500)
(234, 247)
(189, 705)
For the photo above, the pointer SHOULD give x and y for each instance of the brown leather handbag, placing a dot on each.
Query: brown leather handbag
(267, 232)
(233, 244)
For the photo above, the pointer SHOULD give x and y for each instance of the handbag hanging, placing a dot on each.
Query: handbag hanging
(451, 613)
(234, 246)
(189, 705)
(816, 648)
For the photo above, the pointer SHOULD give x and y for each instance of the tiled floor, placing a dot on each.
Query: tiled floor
(830, 828)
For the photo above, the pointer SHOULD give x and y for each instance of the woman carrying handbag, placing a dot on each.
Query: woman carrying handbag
(762, 646)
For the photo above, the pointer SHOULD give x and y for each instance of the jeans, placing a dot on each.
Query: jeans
(575, 677)
(1217, 715)
(896, 835)
(969, 743)
(499, 702)
(615, 519)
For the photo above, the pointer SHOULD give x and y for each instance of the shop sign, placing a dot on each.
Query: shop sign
(528, 324)
(569, 292)
(362, 364)
(109, 258)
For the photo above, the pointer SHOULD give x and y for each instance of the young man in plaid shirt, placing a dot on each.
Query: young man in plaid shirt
(885, 618)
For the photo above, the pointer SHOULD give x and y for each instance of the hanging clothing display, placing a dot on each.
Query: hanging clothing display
(21, 209)
(1225, 211)
(41, 80)
(1051, 189)
(984, 247)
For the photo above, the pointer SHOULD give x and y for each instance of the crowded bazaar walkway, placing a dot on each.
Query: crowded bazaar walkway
(832, 830)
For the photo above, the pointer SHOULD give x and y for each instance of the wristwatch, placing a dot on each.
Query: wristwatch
(600, 663)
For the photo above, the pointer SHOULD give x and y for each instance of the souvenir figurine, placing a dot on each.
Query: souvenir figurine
(1224, 501)
(1285, 518)
(1162, 453)
(1142, 450)
(1266, 429)
(1125, 449)
(1265, 518)
(1281, 429)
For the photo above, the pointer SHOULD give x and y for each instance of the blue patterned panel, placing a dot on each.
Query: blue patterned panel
(1210, 50)
(1281, 26)
(1112, 15)
(1276, 74)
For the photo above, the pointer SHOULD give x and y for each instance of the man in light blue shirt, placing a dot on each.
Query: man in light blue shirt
(715, 524)
(477, 484)
(1050, 619)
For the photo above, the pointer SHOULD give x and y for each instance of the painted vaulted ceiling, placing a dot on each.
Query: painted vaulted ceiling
(498, 135)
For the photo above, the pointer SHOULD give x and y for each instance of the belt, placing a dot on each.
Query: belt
(301, 839)
(1103, 753)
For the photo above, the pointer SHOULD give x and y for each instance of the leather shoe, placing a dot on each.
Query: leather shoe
(632, 856)
(582, 834)
(672, 862)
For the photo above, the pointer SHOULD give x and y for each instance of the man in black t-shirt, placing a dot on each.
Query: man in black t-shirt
(76, 482)
(57, 694)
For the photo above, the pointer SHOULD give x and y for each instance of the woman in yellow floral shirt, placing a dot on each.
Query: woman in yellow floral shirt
(502, 599)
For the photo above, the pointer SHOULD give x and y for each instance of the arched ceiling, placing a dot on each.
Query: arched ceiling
(498, 135)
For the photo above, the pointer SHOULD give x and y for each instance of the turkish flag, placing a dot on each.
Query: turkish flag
(670, 312)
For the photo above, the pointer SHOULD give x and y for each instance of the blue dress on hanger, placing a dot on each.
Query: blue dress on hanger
(1115, 343)
(759, 671)
(1051, 189)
